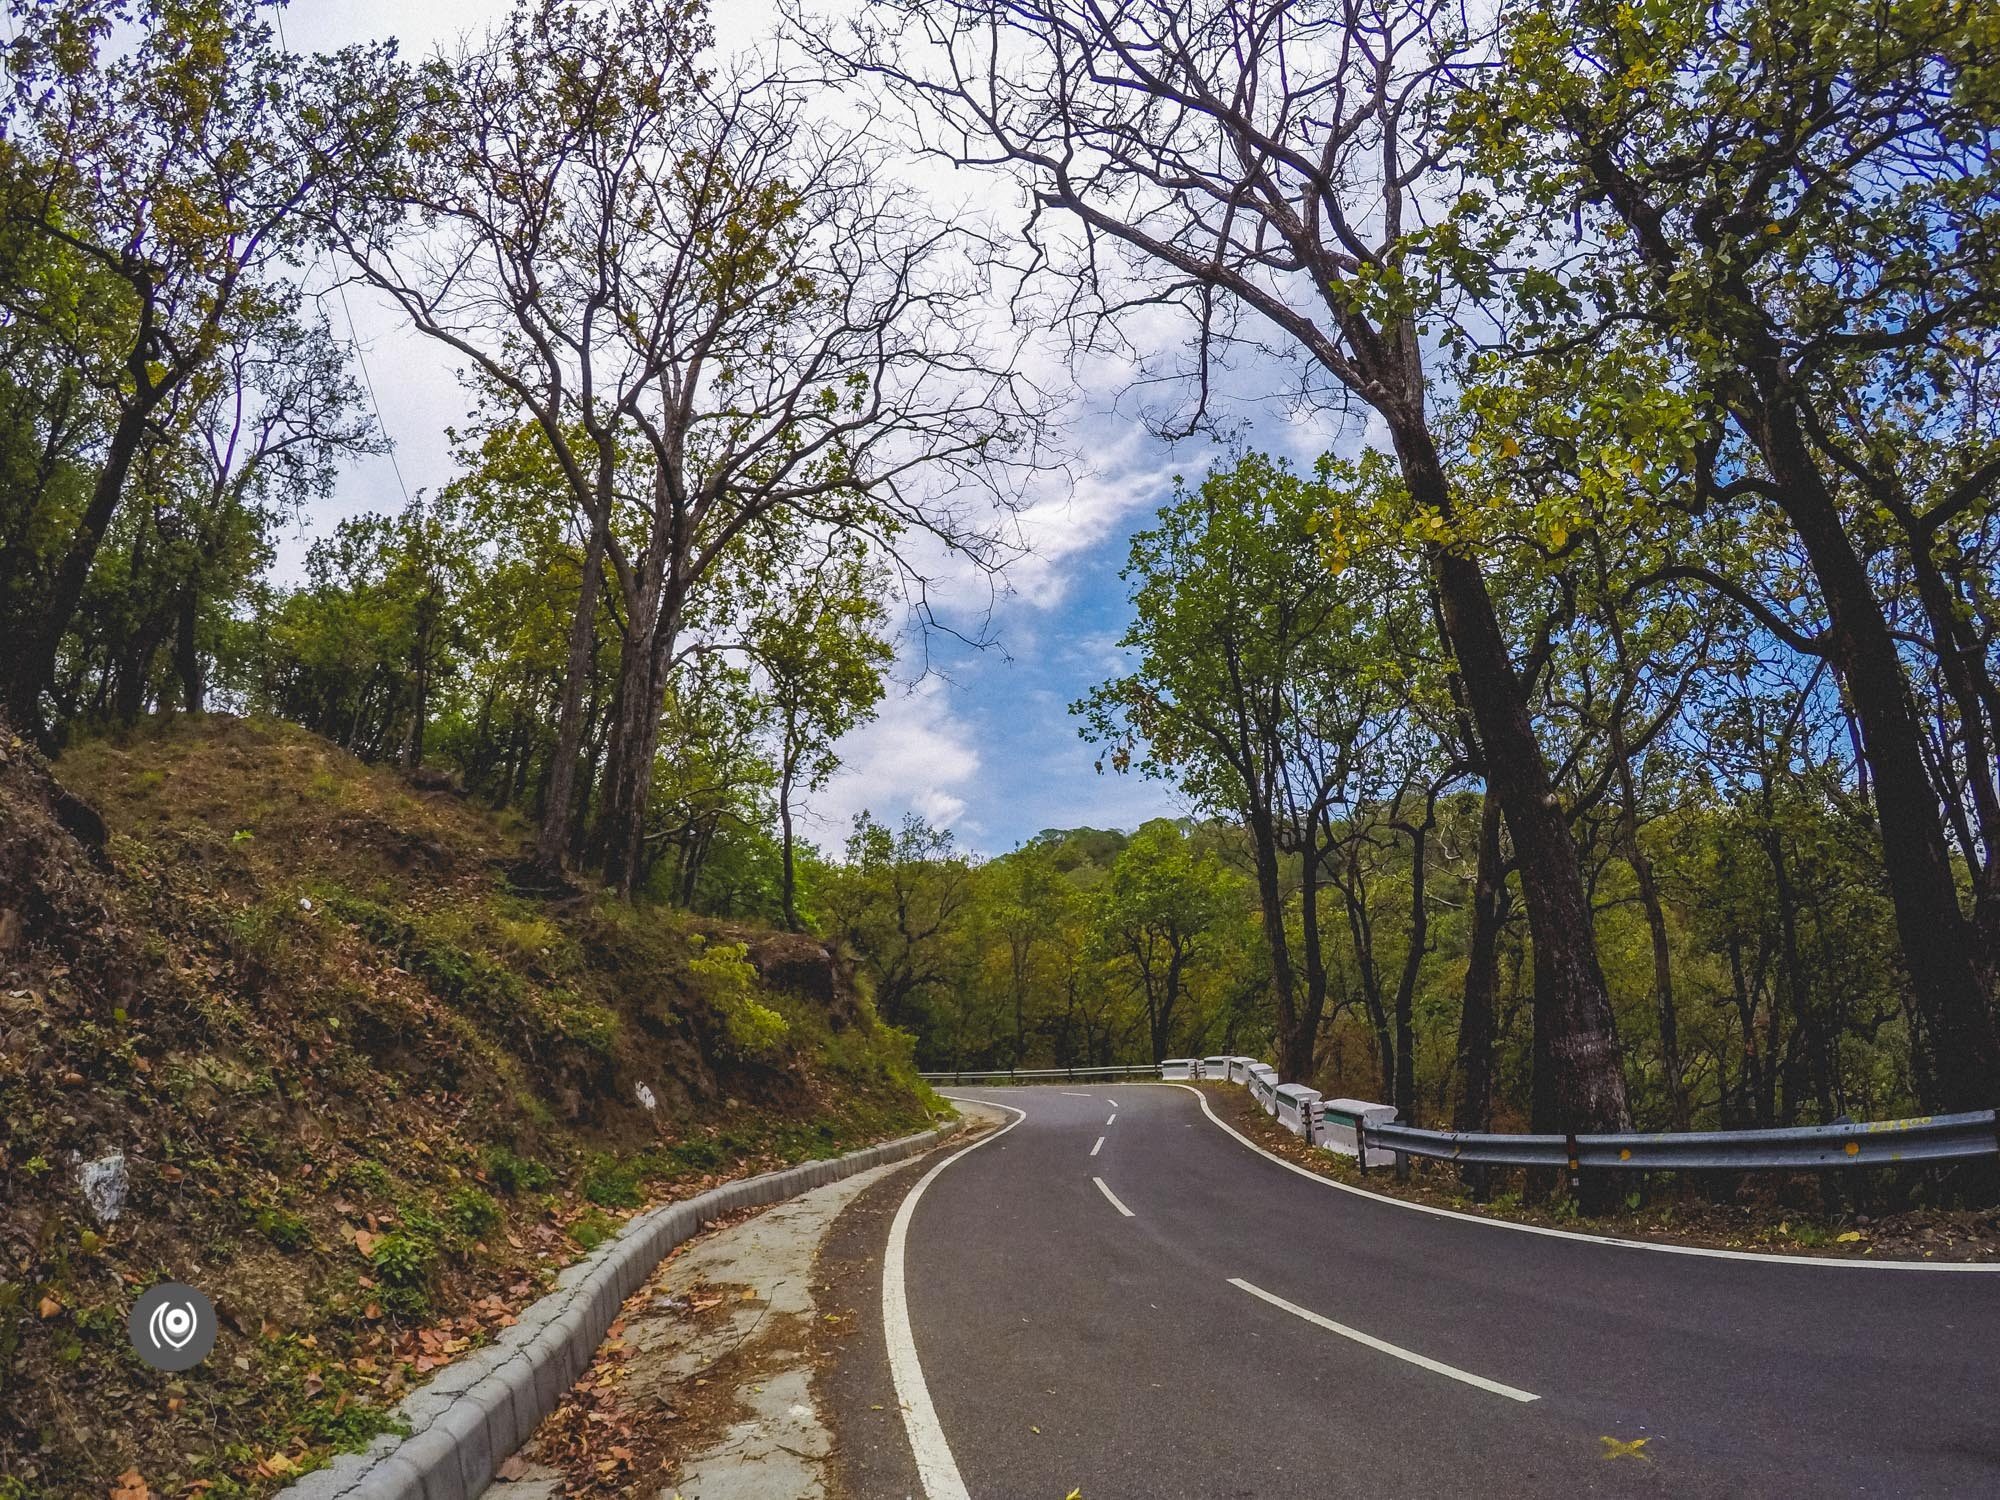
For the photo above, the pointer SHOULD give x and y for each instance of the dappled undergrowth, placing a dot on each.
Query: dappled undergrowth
(368, 1097)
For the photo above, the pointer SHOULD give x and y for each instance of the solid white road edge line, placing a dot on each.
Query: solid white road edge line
(1098, 1147)
(937, 1470)
(1112, 1196)
(1571, 1234)
(1438, 1367)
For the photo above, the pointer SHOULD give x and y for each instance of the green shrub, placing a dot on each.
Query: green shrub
(476, 984)
(752, 1031)
(593, 1229)
(471, 1212)
(286, 1230)
(368, 1175)
(516, 1174)
(406, 1262)
(611, 1183)
(697, 1155)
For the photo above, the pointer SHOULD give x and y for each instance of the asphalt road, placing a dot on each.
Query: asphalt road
(1177, 1315)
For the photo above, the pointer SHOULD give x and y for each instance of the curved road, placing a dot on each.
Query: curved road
(1170, 1313)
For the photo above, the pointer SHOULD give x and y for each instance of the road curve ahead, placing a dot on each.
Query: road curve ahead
(1117, 1297)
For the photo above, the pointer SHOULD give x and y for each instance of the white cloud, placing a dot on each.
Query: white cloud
(917, 756)
(1131, 474)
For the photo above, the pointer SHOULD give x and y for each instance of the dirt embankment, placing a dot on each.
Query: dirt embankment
(277, 1024)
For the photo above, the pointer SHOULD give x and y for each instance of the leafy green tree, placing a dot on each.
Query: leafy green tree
(1311, 237)
(897, 902)
(722, 319)
(1158, 914)
(158, 154)
(1782, 188)
(820, 647)
(1258, 670)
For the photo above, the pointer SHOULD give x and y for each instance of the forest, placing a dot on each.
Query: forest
(1602, 732)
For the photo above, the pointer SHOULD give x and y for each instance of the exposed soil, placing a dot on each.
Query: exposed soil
(1759, 1212)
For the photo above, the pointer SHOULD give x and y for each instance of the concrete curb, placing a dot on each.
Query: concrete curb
(465, 1423)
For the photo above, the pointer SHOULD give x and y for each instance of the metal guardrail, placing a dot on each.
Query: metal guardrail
(1877, 1143)
(1042, 1075)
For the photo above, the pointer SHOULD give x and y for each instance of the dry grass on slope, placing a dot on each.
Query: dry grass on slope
(368, 1096)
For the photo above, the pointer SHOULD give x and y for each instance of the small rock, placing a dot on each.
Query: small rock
(646, 1098)
(305, 903)
(104, 1184)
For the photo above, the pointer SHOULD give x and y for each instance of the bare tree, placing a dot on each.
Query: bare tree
(718, 314)
(1261, 166)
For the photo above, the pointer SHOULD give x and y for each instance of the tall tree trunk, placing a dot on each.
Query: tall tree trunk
(1935, 938)
(187, 652)
(1314, 953)
(135, 671)
(1970, 684)
(1580, 1084)
(552, 838)
(1294, 1050)
(629, 775)
(1355, 894)
(35, 667)
(1680, 1110)
(788, 873)
(1405, 1098)
(1476, 1024)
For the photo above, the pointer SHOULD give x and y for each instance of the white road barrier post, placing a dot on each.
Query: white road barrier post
(1264, 1086)
(1295, 1108)
(1343, 1123)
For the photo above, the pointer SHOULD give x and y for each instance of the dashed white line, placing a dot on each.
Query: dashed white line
(1114, 1198)
(1113, 1120)
(1112, 1102)
(1098, 1147)
(1383, 1346)
(937, 1470)
(1073, 1094)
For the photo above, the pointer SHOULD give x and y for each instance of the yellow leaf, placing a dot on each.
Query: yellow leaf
(1848, 1238)
(1508, 447)
(49, 1307)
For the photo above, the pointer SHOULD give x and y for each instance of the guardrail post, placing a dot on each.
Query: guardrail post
(1575, 1155)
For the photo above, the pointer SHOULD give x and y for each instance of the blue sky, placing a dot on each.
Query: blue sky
(982, 742)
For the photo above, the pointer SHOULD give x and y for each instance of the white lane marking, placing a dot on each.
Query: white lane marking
(1112, 1196)
(1073, 1094)
(1438, 1367)
(1098, 1147)
(1112, 1102)
(1571, 1234)
(1112, 1121)
(937, 1470)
